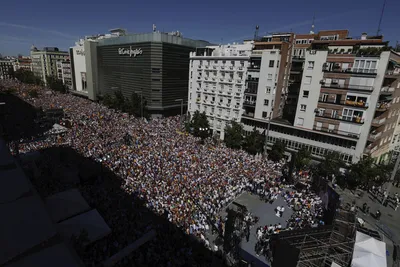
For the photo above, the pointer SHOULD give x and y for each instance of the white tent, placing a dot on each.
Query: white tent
(368, 252)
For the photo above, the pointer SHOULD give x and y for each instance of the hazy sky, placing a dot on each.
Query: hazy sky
(47, 23)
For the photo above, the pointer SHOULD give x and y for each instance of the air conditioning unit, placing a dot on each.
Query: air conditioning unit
(313, 52)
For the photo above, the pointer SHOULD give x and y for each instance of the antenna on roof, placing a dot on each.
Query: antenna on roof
(256, 32)
(313, 25)
(380, 19)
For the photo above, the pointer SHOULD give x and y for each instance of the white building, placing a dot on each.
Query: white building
(44, 62)
(64, 73)
(78, 60)
(217, 83)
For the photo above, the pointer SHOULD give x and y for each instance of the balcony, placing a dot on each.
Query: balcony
(250, 92)
(249, 103)
(254, 69)
(378, 122)
(236, 107)
(387, 90)
(392, 73)
(346, 103)
(239, 81)
(382, 106)
(353, 119)
(374, 136)
(222, 67)
(337, 132)
(248, 114)
(347, 87)
(370, 149)
(371, 72)
(240, 69)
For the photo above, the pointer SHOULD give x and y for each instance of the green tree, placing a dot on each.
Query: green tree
(136, 105)
(26, 76)
(108, 101)
(254, 142)
(330, 165)
(200, 125)
(303, 159)
(56, 84)
(278, 151)
(119, 101)
(363, 173)
(233, 135)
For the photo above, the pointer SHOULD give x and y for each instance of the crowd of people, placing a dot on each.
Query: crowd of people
(177, 176)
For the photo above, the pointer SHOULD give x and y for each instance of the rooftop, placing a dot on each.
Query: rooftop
(153, 37)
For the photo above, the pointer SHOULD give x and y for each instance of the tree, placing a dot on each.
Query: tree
(26, 76)
(119, 101)
(278, 151)
(362, 173)
(56, 84)
(254, 142)
(108, 101)
(233, 135)
(200, 125)
(303, 159)
(136, 105)
(330, 165)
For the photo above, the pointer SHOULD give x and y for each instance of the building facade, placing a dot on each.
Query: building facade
(64, 72)
(44, 62)
(6, 68)
(217, 83)
(345, 100)
(24, 63)
(154, 65)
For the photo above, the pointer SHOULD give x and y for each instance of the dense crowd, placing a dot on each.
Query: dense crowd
(174, 173)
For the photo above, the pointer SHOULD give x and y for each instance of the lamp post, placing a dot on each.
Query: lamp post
(141, 103)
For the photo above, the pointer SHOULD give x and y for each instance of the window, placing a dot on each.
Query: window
(324, 97)
(156, 70)
(300, 121)
(264, 114)
(83, 80)
(321, 111)
(233, 63)
(331, 128)
(266, 102)
(268, 90)
(307, 80)
(223, 61)
(303, 107)
(271, 63)
(306, 93)
(269, 76)
(318, 126)
(352, 115)
(310, 65)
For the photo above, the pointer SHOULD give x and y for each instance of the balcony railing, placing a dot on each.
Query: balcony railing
(348, 86)
(383, 106)
(251, 92)
(249, 103)
(387, 89)
(352, 70)
(337, 132)
(392, 73)
(378, 122)
(248, 114)
(353, 119)
(346, 103)
(374, 136)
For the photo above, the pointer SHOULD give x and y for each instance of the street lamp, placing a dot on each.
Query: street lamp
(141, 103)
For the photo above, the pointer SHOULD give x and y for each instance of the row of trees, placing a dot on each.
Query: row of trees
(56, 84)
(135, 105)
(26, 76)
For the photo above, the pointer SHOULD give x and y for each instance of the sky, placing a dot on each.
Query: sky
(48, 23)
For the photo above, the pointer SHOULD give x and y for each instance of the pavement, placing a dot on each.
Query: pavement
(388, 225)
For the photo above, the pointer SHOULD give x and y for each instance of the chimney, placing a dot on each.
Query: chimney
(364, 36)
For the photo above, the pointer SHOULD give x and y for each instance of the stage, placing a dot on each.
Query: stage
(266, 214)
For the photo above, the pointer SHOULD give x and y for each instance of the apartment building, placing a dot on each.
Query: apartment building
(64, 72)
(24, 63)
(44, 62)
(6, 68)
(217, 83)
(345, 92)
(268, 78)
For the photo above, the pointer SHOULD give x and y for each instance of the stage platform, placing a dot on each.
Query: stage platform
(266, 213)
